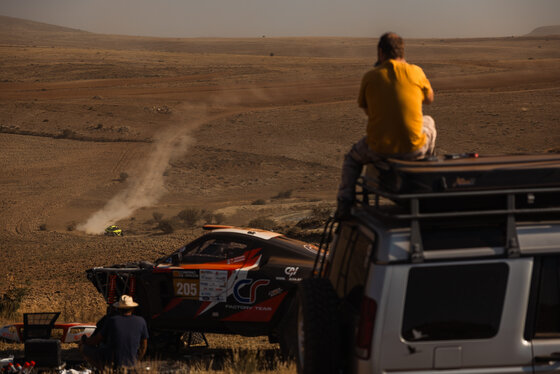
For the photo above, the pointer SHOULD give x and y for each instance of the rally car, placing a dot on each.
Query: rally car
(113, 230)
(231, 280)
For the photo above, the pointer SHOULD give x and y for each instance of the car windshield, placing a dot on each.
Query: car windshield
(204, 250)
(216, 248)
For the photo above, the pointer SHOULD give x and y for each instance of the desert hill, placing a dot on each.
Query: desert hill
(13, 26)
(21, 31)
(545, 31)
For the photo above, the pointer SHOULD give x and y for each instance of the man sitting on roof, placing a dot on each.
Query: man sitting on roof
(391, 94)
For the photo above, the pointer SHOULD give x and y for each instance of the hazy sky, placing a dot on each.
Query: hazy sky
(238, 18)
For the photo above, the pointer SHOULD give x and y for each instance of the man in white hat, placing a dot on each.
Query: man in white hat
(126, 336)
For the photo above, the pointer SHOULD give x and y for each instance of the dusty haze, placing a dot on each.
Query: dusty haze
(254, 18)
(225, 125)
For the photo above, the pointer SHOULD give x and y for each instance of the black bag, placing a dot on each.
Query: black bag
(455, 173)
(45, 352)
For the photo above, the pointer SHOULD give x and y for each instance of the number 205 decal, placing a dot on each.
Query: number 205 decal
(187, 288)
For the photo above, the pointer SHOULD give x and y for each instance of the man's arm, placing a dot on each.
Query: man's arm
(142, 348)
(428, 97)
(93, 339)
(362, 102)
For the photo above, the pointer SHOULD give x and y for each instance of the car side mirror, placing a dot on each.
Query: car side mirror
(176, 259)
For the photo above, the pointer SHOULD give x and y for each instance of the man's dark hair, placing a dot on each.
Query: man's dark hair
(391, 45)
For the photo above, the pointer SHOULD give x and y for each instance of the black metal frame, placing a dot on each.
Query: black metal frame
(370, 198)
(38, 325)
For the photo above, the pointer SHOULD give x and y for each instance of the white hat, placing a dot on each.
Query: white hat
(125, 302)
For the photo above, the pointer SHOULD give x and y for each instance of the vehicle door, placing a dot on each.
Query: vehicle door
(347, 270)
(203, 280)
(543, 322)
(459, 316)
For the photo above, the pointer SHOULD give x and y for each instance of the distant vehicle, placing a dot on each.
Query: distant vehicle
(113, 230)
(231, 280)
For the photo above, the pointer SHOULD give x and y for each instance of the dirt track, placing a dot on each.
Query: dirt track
(79, 109)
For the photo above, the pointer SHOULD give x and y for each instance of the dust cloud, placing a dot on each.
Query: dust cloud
(146, 186)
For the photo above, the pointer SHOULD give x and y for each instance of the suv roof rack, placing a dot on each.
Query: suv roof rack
(527, 204)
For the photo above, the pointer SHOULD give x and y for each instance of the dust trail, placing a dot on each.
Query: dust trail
(147, 186)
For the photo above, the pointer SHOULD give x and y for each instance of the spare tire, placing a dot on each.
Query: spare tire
(317, 327)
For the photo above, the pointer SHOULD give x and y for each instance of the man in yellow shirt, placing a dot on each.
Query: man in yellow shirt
(392, 95)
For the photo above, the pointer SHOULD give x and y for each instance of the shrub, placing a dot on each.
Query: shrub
(43, 227)
(263, 223)
(283, 194)
(208, 217)
(321, 212)
(123, 177)
(190, 216)
(306, 235)
(259, 202)
(309, 223)
(317, 219)
(219, 218)
(67, 134)
(11, 301)
(166, 226)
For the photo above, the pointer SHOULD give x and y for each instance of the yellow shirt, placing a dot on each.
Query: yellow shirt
(392, 95)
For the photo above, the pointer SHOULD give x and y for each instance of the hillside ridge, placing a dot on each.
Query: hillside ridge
(545, 31)
(13, 24)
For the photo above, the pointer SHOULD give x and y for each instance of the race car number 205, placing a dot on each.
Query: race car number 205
(203, 284)
(187, 288)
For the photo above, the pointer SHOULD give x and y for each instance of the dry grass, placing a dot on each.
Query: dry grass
(227, 354)
(240, 361)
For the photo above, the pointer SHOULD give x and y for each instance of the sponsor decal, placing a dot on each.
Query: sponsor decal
(464, 182)
(261, 312)
(290, 271)
(252, 294)
(192, 274)
(275, 292)
(186, 288)
(186, 284)
(236, 259)
(255, 308)
(213, 285)
(310, 247)
(252, 260)
(203, 284)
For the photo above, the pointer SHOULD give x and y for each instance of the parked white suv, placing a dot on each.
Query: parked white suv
(461, 278)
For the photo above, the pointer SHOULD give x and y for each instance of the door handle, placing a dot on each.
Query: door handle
(554, 356)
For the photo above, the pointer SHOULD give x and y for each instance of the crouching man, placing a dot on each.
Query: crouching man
(125, 338)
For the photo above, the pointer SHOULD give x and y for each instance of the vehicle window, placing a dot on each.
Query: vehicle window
(547, 322)
(217, 248)
(454, 302)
